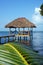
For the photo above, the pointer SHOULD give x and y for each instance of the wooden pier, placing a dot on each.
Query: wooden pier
(15, 38)
(6, 37)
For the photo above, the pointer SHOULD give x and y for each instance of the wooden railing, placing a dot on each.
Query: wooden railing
(7, 36)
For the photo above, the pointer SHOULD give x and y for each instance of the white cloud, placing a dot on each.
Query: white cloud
(37, 10)
(36, 17)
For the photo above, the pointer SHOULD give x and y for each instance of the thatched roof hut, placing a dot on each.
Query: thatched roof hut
(20, 23)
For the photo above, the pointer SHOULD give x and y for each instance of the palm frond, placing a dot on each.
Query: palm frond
(9, 55)
(18, 54)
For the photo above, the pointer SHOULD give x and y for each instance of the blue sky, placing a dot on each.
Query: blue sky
(12, 9)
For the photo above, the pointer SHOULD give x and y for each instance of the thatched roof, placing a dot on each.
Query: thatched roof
(20, 23)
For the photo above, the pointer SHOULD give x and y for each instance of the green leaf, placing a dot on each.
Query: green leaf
(41, 11)
(9, 55)
(18, 54)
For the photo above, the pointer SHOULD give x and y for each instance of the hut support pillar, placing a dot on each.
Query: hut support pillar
(0, 39)
(23, 30)
(32, 32)
(31, 35)
(15, 30)
(19, 30)
(19, 34)
(10, 30)
(28, 31)
(15, 34)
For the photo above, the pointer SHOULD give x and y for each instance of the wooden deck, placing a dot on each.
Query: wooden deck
(16, 38)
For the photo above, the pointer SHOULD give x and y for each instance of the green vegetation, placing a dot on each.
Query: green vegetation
(41, 7)
(18, 54)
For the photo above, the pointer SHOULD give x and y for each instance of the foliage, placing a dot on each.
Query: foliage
(41, 11)
(18, 54)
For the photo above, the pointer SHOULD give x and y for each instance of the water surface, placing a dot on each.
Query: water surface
(37, 40)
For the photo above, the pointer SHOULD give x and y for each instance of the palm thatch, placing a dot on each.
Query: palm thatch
(20, 23)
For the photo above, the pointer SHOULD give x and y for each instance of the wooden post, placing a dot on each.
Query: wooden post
(28, 31)
(24, 38)
(15, 30)
(23, 31)
(9, 30)
(19, 30)
(8, 38)
(5, 39)
(0, 39)
(15, 34)
(13, 37)
(18, 38)
(19, 34)
(31, 36)
(32, 33)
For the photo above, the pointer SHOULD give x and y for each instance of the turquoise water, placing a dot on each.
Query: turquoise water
(37, 41)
